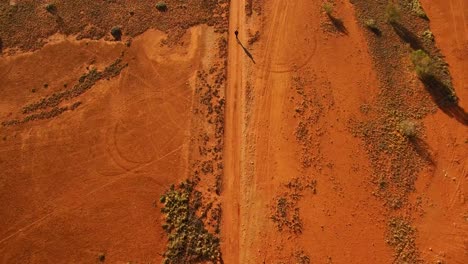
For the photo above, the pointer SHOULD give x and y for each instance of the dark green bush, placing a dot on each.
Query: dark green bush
(328, 8)
(116, 32)
(161, 6)
(371, 24)
(51, 8)
(423, 64)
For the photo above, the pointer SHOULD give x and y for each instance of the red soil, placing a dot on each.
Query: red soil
(343, 222)
(297, 185)
(443, 225)
(88, 181)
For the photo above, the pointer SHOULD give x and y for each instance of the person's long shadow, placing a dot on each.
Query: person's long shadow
(245, 50)
(445, 99)
(338, 24)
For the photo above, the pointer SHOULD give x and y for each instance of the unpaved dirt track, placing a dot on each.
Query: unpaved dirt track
(233, 138)
(343, 222)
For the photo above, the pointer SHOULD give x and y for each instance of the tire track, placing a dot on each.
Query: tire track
(271, 85)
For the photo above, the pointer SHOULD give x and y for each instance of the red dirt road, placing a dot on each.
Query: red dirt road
(343, 222)
(233, 139)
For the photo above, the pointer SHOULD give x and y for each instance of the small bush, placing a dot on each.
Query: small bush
(392, 13)
(427, 34)
(101, 257)
(51, 8)
(418, 10)
(408, 128)
(161, 6)
(116, 32)
(423, 64)
(371, 24)
(328, 8)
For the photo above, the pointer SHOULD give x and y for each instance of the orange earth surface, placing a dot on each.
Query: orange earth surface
(86, 182)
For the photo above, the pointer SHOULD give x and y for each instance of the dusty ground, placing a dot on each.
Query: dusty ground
(299, 78)
(443, 225)
(87, 181)
(289, 133)
(304, 174)
(86, 154)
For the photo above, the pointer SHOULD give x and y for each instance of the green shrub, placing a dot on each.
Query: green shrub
(418, 10)
(328, 8)
(51, 8)
(423, 64)
(371, 24)
(392, 13)
(161, 6)
(427, 34)
(408, 129)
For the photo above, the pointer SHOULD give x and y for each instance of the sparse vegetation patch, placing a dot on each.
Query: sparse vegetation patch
(417, 9)
(52, 102)
(391, 132)
(285, 210)
(25, 29)
(301, 257)
(402, 237)
(189, 240)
